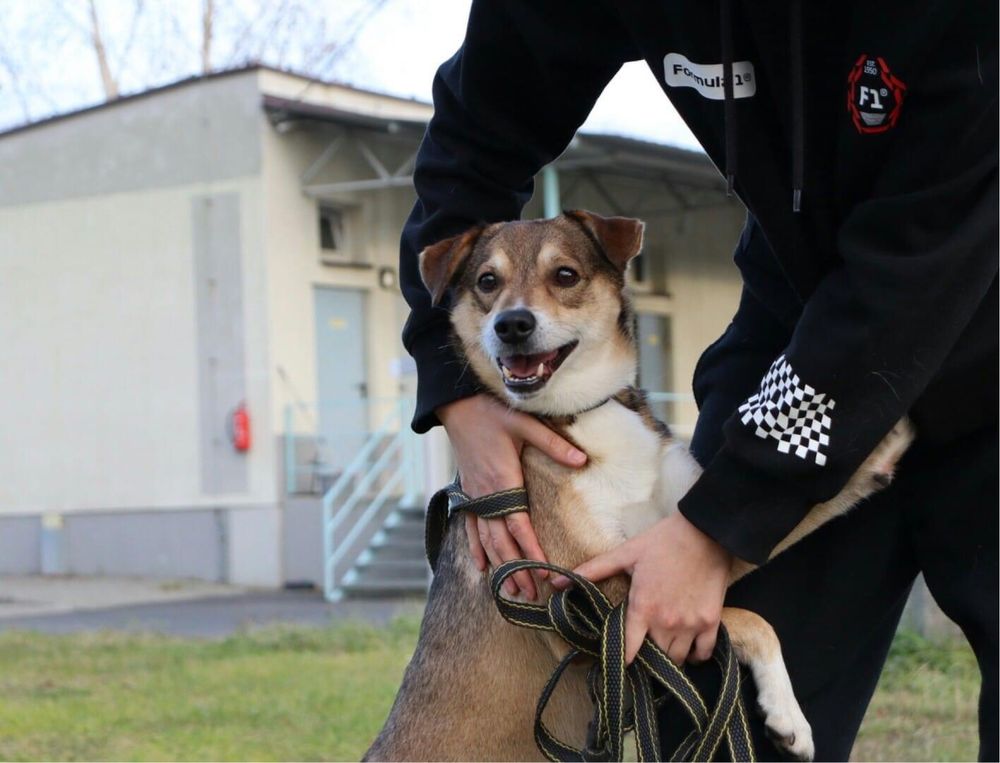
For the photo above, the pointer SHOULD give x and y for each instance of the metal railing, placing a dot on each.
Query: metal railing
(387, 465)
(321, 439)
(390, 464)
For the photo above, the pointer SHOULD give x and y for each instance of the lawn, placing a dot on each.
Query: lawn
(310, 694)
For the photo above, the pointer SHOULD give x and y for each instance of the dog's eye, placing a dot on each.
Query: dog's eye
(487, 282)
(567, 277)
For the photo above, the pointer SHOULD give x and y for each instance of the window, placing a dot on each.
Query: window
(339, 242)
(331, 230)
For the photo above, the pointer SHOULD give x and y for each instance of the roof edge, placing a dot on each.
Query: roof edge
(194, 79)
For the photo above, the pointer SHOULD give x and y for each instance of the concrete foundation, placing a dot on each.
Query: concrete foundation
(238, 545)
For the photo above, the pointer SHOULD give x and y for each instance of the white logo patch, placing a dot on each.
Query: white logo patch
(792, 413)
(707, 79)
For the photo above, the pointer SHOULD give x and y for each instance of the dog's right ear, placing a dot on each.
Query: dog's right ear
(619, 237)
(440, 262)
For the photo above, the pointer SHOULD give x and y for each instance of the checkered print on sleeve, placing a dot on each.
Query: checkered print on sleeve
(793, 414)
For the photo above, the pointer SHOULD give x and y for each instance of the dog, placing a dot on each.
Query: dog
(540, 314)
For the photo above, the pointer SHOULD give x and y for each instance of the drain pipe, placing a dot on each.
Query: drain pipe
(550, 186)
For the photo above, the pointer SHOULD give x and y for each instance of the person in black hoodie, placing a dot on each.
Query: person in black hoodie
(862, 138)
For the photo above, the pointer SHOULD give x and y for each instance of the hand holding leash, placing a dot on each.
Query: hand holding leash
(487, 438)
(679, 579)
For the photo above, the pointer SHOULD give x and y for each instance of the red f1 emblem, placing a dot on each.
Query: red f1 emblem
(874, 95)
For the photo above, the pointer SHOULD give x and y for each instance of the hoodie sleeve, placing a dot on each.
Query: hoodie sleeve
(917, 259)
(507, 103)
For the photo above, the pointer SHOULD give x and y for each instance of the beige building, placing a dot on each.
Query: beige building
(229, 244)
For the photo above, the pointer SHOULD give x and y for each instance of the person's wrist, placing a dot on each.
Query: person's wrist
(711, 546)
(450, 411)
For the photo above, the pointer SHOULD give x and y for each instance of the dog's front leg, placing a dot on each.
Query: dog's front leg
(756, 645)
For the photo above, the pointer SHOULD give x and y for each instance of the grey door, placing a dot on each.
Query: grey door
(655, 369)
(342, 383)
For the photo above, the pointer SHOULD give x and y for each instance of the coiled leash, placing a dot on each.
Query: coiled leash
(587, 621)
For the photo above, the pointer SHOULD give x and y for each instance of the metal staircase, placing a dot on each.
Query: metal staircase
(373, 517)
(393, 564)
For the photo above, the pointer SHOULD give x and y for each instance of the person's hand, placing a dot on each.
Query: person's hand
(487, 438)
(679, 579)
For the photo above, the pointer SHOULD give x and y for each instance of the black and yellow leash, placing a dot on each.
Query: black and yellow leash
(625, 697)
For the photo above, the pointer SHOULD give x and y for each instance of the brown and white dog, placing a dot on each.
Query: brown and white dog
(540, 314)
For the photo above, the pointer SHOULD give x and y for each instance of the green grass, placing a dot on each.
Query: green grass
(311, 694)
(277, 694)
(925, 707)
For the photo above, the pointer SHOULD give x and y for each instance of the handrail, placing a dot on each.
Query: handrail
(353, 469)
(294, 469)
(398, 463)
(363, 522)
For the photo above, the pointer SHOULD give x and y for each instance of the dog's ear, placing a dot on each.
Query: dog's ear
(620, 237)
(440, 262)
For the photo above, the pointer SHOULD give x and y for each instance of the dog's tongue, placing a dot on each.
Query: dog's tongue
(527, 365)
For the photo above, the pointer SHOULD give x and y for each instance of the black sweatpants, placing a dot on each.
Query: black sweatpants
(835, 599)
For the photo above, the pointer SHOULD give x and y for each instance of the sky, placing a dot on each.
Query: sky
(401, 48)
(396, 52)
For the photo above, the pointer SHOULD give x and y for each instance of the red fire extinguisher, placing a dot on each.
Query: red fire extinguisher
(239, 428)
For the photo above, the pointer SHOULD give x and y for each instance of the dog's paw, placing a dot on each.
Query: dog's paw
(790, 732)
(784, 722)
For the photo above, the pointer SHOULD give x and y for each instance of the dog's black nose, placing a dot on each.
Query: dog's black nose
(514, 326)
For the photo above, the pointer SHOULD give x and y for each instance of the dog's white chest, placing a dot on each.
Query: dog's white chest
(621, 486)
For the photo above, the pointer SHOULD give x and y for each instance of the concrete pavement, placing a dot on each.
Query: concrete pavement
(181, 608)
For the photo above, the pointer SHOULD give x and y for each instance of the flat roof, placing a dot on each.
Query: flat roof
(192, 80)
(587, 150)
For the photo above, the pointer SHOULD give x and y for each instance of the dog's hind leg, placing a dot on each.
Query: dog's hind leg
(756, 646)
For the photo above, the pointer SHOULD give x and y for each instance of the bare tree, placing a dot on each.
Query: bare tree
(10, 66)
(207, 19)
(161, 41)
(107, 78)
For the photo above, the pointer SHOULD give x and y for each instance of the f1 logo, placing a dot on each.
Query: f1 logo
(869, 95)
(874, 95)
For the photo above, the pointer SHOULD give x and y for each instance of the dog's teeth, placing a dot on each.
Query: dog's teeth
(541, 370)
(506, 372)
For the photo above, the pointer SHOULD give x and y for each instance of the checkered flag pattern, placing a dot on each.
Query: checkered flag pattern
(790, 412)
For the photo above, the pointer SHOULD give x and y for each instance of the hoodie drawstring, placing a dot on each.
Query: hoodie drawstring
(798, 107)
(728, 105)
(797, 100)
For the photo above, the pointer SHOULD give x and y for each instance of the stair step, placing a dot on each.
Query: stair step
(413, 512)
(395, 565)
(405, 528)
(418, 566)
(390, 537)
(386, 588)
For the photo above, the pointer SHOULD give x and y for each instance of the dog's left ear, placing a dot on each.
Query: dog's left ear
(620, 237)
(440, 262)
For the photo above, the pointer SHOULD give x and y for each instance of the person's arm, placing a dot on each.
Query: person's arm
(505, 105)
(728, 370)
(918, 258)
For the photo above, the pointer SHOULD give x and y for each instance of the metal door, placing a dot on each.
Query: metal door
(655, 368)
(342, 383)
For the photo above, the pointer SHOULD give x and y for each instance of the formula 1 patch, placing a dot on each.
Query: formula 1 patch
(874, 95)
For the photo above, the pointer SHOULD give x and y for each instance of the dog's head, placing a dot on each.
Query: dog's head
(539, 307)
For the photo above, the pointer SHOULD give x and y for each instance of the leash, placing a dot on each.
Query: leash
(625, 697)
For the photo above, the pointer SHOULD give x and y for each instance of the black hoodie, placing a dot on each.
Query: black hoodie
(862, 138)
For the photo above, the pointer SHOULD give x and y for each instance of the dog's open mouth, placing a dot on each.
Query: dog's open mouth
(527, 373)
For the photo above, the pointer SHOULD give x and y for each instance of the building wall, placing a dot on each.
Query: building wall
(294, 265)
(103, 396)
(111, 276)
(194, 133)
